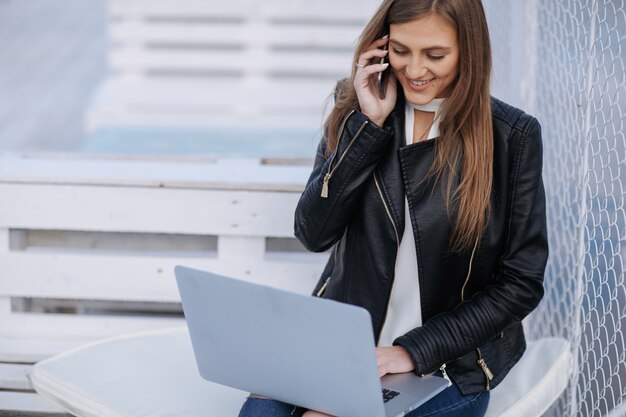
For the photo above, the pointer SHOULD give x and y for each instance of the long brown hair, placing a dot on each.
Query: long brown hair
(466, 131)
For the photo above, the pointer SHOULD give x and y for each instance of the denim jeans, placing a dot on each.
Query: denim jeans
(449, 403)
(261, 407)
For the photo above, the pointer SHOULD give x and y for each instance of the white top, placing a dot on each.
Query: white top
(404, 312)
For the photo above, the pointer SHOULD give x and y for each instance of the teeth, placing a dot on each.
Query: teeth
(420, 83)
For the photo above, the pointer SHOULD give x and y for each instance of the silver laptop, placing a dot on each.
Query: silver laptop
(311, 352)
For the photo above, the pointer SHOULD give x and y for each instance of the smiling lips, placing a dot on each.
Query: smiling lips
(420, 83)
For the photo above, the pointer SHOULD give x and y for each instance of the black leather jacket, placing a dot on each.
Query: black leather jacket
(354, 200)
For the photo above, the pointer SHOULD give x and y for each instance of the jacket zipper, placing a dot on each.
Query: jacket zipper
(483, 365)
(395, 229)
(331, 170)
(469, 271)
(341, 129)
(323, 288)
(320, 292)
(481, 362)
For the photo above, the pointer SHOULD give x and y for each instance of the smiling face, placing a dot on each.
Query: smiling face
(424, 55)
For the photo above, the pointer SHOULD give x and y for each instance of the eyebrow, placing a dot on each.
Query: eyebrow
(429, 49)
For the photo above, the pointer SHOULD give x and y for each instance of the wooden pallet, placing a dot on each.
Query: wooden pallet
(199, 63)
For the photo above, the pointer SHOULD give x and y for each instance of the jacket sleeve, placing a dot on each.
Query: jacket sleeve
(334, 187)
(518, 284)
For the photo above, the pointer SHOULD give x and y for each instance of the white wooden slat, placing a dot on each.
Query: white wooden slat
(241, 248)
(141, 8)
(201, 174)
(241, 163)
(5, 302)
(320, 9)
(34, 349)
(296, 62)
(137, 278)
(76, 326)
(209, 110)
(144, 32)
(27, 402)
(177, 117)
(201, 92)
(4, 239)
(270, 106)
(163, 175)
(127, 114)
(338, 13)
(137, 110)
(303, 116)
(130, 209)
(15, 376)
(5, 306)
(85, 277)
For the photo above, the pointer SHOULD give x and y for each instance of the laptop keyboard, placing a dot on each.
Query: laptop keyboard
(389, 394)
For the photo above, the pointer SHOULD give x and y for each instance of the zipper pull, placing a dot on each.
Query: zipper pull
(445, 374)
(483, 365)
(486, 371)
(321, 291)
(325, 186)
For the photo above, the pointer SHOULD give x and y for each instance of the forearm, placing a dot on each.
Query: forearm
(334, 187)
(472, 324)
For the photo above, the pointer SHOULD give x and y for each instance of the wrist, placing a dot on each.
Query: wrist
(404, 356)
(377, 121)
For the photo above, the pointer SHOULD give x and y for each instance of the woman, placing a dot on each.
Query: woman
(432, 201)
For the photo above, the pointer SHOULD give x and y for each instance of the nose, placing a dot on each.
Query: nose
(415, 69)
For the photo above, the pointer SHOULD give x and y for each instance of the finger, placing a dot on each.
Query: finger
(373, 69)
(379, 42)
(252, 395)
(367, 56)
(363, 77)
(311, 413)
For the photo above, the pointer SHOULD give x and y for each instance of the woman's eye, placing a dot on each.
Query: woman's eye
(397, 52)
(435, 57)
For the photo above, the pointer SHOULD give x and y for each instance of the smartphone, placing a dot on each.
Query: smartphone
(383, 76)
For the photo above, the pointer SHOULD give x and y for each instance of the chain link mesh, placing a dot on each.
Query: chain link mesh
(564, 61)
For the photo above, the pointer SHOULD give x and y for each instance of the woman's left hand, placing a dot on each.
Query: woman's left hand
(312, 413)
(393, 360)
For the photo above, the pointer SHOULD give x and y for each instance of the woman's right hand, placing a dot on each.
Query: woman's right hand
(371, 104)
